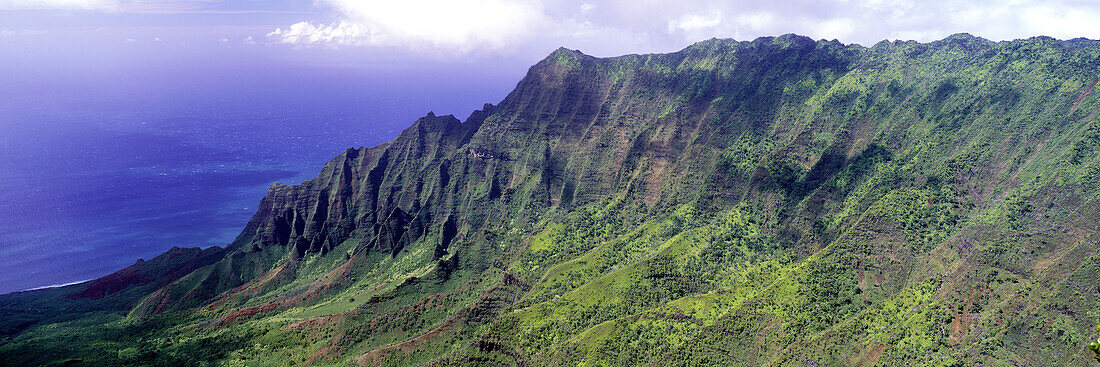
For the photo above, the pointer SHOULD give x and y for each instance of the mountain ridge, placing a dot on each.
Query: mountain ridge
(780, 198)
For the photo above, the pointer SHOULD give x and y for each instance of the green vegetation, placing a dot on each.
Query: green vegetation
(774, 202)
(1095, 346)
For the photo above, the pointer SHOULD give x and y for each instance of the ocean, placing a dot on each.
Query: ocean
(93, 177)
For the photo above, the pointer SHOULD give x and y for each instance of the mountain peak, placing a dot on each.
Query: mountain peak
(966, 41)
(560, 51)
(564, 56)
(794, 39)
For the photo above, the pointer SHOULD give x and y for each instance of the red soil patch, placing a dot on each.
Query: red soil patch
(317, 288)
(377, 356)
(960, 325)
(163, 269)
(112, 283)
(251, 287)
(1083, 95)
(872, 353)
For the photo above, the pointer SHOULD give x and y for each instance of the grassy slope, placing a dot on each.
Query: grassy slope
(778, 202)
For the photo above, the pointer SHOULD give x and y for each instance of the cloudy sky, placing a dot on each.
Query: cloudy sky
(522, 28)
(57, 37)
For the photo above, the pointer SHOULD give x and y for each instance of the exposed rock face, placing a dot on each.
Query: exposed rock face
(374, 193)
(570, 133)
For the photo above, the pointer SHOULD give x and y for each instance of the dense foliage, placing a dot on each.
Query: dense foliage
(774, 202)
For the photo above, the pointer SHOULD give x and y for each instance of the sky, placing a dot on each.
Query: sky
(131, 126)
(377, 32)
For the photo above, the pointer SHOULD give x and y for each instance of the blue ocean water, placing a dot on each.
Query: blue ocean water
(94, 178)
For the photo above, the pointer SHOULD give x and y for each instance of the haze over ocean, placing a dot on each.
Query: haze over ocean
(96, 175)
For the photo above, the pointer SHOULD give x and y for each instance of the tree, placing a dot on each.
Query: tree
(1095, 346)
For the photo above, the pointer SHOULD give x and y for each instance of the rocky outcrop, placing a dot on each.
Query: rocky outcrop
(362, 192)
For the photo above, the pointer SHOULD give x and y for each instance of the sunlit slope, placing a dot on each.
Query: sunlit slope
(775, 202)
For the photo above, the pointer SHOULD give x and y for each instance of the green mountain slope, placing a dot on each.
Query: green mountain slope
(775, 202)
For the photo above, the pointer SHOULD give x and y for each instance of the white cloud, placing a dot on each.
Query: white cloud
(694, 22)
(611, 27)
(304, 33)
(460, 25)
(1062, 22)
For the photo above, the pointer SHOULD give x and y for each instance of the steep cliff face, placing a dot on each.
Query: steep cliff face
(379, 194)
(352, 193)
(781, 201)
(576, 129)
